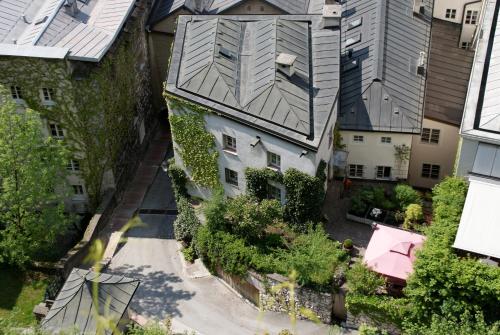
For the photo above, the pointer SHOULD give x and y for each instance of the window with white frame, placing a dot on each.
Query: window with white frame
(356, 170)
(471, 17)
(466, 45)
(47, 94)
(73, 165)
(229, 143)
(383, 172)
(430, 171)
(231, 177)
(273, 160)
(386, 139)
(56, 131)
(358, 138)
(430, 135)
(451, 13)
(77, 189)
(16, 92)
(273, 192)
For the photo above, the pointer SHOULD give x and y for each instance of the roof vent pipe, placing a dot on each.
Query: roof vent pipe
(332, 12)
(71, 7)
(285, 63)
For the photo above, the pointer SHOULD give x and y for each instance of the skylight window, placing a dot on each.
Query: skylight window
(353, 40)
(354, 23)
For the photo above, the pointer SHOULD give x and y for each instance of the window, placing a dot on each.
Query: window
(16, 92)
(273, 160)
(231, 177)
(451, 13)
(430, 135)
(466, 45)
(273, 192)
(229, 143)
(356, 170)
(48, 94)
(330, 137)
(358, 138)
(471, 17)
(430, 171)
(77, 189)
(56, 131)
(385, 139)
(73, 165)
(383, 172)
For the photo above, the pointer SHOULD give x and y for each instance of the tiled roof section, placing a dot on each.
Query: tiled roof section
(88, 34)
(74, 305)
(164, 8)
(448, 74)
(382, 43)
(229, 64)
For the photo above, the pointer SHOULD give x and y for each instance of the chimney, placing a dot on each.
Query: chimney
(332, 12)
(285, 63)
(71, 7)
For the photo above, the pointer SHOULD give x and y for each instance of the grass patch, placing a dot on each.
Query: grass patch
(20, 291)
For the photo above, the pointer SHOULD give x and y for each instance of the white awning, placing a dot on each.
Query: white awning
(479, 229)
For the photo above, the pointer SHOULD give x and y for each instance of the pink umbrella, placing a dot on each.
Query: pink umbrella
(391, 252)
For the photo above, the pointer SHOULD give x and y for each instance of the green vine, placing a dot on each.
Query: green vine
(196, 144)
(257, 181)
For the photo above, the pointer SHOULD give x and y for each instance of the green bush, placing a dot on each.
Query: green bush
(304, 198)
(365, 329)
(315, 258)
(248, 217)
(405, 195)
(215, 209)
(361, 280)
(348, 243)
(413, 215)
(368, 197)
(189, 253)
(178, 178)
(186, 223)
(257, 181)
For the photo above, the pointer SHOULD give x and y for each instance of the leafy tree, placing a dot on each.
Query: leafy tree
(361, 280)
(214, 210)
(413, 215)
(186, 224)
(31, 170)
(248, 218)
(405, 195)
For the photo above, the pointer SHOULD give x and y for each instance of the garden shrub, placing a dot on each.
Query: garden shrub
(369, 197)
(380, 308)
(189, 253)
(257, 181)
(248, 218)
(315, 258)
(413, 215)
(186, 224)
(178, 178)
(365, 329)
(214, 210)
(405, 195)
(361, 280)
(304, 198)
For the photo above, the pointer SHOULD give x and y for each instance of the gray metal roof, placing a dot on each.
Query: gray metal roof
(87, 35)
(74, 307)
(482, 108)
(448, 74)
(487, 160)
(229, 64)
(163, 8)
(383, 41)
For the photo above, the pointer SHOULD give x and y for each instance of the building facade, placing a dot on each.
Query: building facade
(258, 85)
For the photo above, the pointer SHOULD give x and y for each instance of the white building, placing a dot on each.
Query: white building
(466, 13)
(385, 45)
(272, 84)
(479, 159)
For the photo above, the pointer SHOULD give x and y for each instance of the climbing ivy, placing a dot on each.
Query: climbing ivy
(258, 180)
(95, 105)
(196, 144)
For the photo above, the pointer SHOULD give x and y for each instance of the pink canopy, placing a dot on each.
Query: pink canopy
(391, 251)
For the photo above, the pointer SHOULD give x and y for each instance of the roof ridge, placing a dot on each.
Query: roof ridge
(379, 40)
(48, 22)
(290, 108)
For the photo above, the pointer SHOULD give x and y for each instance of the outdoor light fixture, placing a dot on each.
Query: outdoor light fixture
(303, 153)
(255, 141)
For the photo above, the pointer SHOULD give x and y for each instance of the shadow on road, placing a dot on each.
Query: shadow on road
(155, 297)
(154, 226)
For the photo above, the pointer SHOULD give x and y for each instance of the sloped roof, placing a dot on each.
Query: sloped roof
(480, 223)
(382, 43)
(28, 24)
(482, 108)
(163, 8)
(74, 307)
(229, 64)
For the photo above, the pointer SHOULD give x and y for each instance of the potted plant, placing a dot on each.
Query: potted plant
(347, 244)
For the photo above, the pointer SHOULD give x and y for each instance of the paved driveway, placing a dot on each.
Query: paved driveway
(203, 304)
